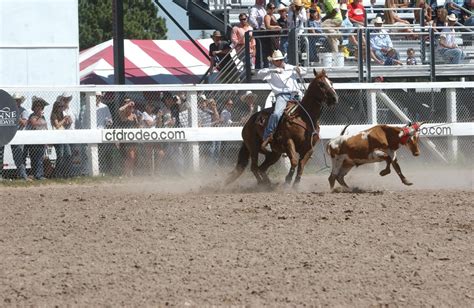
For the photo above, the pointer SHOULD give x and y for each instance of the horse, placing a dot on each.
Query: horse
(295, 134)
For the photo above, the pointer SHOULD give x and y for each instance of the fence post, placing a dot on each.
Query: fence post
(193, 99)
(292, 47)
(372, 106)
(92, 164)
(451, 113)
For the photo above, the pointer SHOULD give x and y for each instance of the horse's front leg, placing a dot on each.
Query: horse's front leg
(302, 162)
(396, 166)
(292, 156)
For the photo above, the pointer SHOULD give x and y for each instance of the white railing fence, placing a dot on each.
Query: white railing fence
(179, 144)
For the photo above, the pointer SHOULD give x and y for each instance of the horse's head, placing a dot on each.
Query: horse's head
(326, 94)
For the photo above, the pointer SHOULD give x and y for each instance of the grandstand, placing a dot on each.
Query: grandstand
(221, 15)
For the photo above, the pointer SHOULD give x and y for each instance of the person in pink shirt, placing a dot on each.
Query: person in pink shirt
(238, 36)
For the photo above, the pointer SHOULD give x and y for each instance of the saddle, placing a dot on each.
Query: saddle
(289, 113)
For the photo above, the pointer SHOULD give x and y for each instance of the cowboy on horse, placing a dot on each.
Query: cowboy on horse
(282, 78)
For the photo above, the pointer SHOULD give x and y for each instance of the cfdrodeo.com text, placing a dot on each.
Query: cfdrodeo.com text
(139, 135)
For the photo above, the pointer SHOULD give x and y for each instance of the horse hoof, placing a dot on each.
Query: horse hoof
(406, 182)
(384, 172)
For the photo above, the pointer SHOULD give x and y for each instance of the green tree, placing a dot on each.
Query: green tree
(140, 21)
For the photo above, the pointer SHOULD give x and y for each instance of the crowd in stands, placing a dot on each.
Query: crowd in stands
(331, 26)
(139, 110)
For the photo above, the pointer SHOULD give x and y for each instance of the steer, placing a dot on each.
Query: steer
(376, 144)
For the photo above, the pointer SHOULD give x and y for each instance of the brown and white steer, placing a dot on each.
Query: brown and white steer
(376, 144)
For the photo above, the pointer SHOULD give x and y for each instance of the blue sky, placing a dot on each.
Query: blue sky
(180, 15)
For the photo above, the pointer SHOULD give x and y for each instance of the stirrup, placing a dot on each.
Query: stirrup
(265, 147)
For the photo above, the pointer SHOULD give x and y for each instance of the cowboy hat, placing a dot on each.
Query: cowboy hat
(282, 7)
(378, 20)
(202, 97)
(247, 95)
(65, 95)
(452, 17)
(38, 101)
(18, 97)
(98, 93)
(343, 7)
(297, 3)
(277, 55)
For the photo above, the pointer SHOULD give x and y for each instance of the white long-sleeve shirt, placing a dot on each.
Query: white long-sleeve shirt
(285, 81)
(256, 15)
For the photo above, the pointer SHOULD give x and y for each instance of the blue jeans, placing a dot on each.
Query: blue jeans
(63, 160)
(37, 152)
(452, 55)
(19, 156)
(280, 104)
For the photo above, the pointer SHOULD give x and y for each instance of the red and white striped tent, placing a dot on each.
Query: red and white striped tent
(146, 62)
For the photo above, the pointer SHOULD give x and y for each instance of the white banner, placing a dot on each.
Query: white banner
(94, 136)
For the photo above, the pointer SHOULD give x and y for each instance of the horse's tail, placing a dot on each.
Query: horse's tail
(242, 162)
(344, 129)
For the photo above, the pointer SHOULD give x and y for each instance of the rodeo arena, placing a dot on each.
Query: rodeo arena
(302, 153)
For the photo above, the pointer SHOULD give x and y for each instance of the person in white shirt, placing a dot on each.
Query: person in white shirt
(103, 115)
(297, 16)
(283, 79)
(256, 15)
(447, 47)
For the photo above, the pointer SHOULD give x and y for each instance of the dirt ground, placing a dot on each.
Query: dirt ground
(192, 243)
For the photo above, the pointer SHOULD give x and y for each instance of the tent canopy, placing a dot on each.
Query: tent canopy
(146, 62)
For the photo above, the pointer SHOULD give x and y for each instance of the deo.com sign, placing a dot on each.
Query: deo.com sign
(8, 118)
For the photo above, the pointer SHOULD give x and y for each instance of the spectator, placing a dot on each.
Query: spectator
(466, 18)
(249, 100)
(128, 119)
(380, 42)
(272, 41)
(36, 121)
(454, 7)
(411, 60)
(297, 16)
(104, 117)
(356, 13)
(226, 113)
(18, 150)
(441, 19)
(257, 12)
(218, 52)
(331, 22)
(104, 121)
(314, 26)
(391, 18)
(427, 10)
(238, 37)
(283, 23)
(65, 98)
(447, 48)
(208, 115)
(63, 151)
(391, 57)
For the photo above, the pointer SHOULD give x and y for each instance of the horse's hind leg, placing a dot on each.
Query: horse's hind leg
(270, 159)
